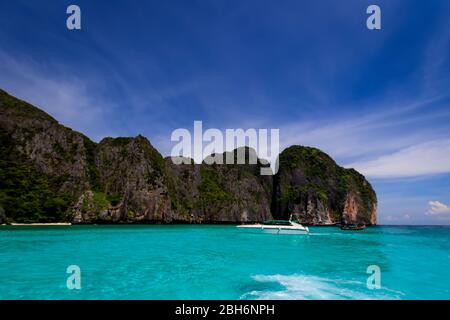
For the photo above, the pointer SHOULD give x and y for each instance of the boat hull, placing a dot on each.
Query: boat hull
(272, 229)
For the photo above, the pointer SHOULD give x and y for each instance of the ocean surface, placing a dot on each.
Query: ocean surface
(222, 262)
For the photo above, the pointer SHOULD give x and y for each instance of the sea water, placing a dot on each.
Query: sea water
(223, 262)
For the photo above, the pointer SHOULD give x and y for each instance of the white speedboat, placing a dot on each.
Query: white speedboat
(276, 226)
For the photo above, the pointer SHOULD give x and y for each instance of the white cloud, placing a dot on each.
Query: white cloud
(431, 157)
(368, 135)
(438, 208)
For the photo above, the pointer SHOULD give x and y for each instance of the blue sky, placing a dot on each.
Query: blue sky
(378, 101)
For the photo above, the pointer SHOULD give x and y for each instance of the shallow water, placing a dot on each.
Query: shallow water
(222, 262)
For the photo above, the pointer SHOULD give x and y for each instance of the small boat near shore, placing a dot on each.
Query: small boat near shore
(352, 227)
(276, 226)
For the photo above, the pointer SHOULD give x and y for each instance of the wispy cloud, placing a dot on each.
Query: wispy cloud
(422, 159)
(438, 208)
(366, 136)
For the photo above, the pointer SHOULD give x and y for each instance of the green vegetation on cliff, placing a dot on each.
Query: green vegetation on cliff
(213, 193)
(26, 194)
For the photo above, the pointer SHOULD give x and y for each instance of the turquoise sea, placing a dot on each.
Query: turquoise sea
(221, 262)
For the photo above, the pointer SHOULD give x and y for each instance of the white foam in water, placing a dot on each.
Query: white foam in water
(302, 287)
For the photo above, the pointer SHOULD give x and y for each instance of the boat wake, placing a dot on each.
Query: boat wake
(302, 287)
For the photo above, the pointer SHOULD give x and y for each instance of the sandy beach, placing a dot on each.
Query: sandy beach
(42, 224)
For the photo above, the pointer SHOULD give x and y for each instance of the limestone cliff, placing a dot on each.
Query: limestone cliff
(51, 173)
(310, 183)
(220, 192)
(44, 166)
(131, 185)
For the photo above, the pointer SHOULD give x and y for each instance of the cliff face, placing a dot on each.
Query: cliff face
(38, 139)
(50, 173)
(43, 165)
(220, 192)
(311, 183)
(131, 184)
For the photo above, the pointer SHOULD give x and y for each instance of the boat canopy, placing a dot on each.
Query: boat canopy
(277, 222)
